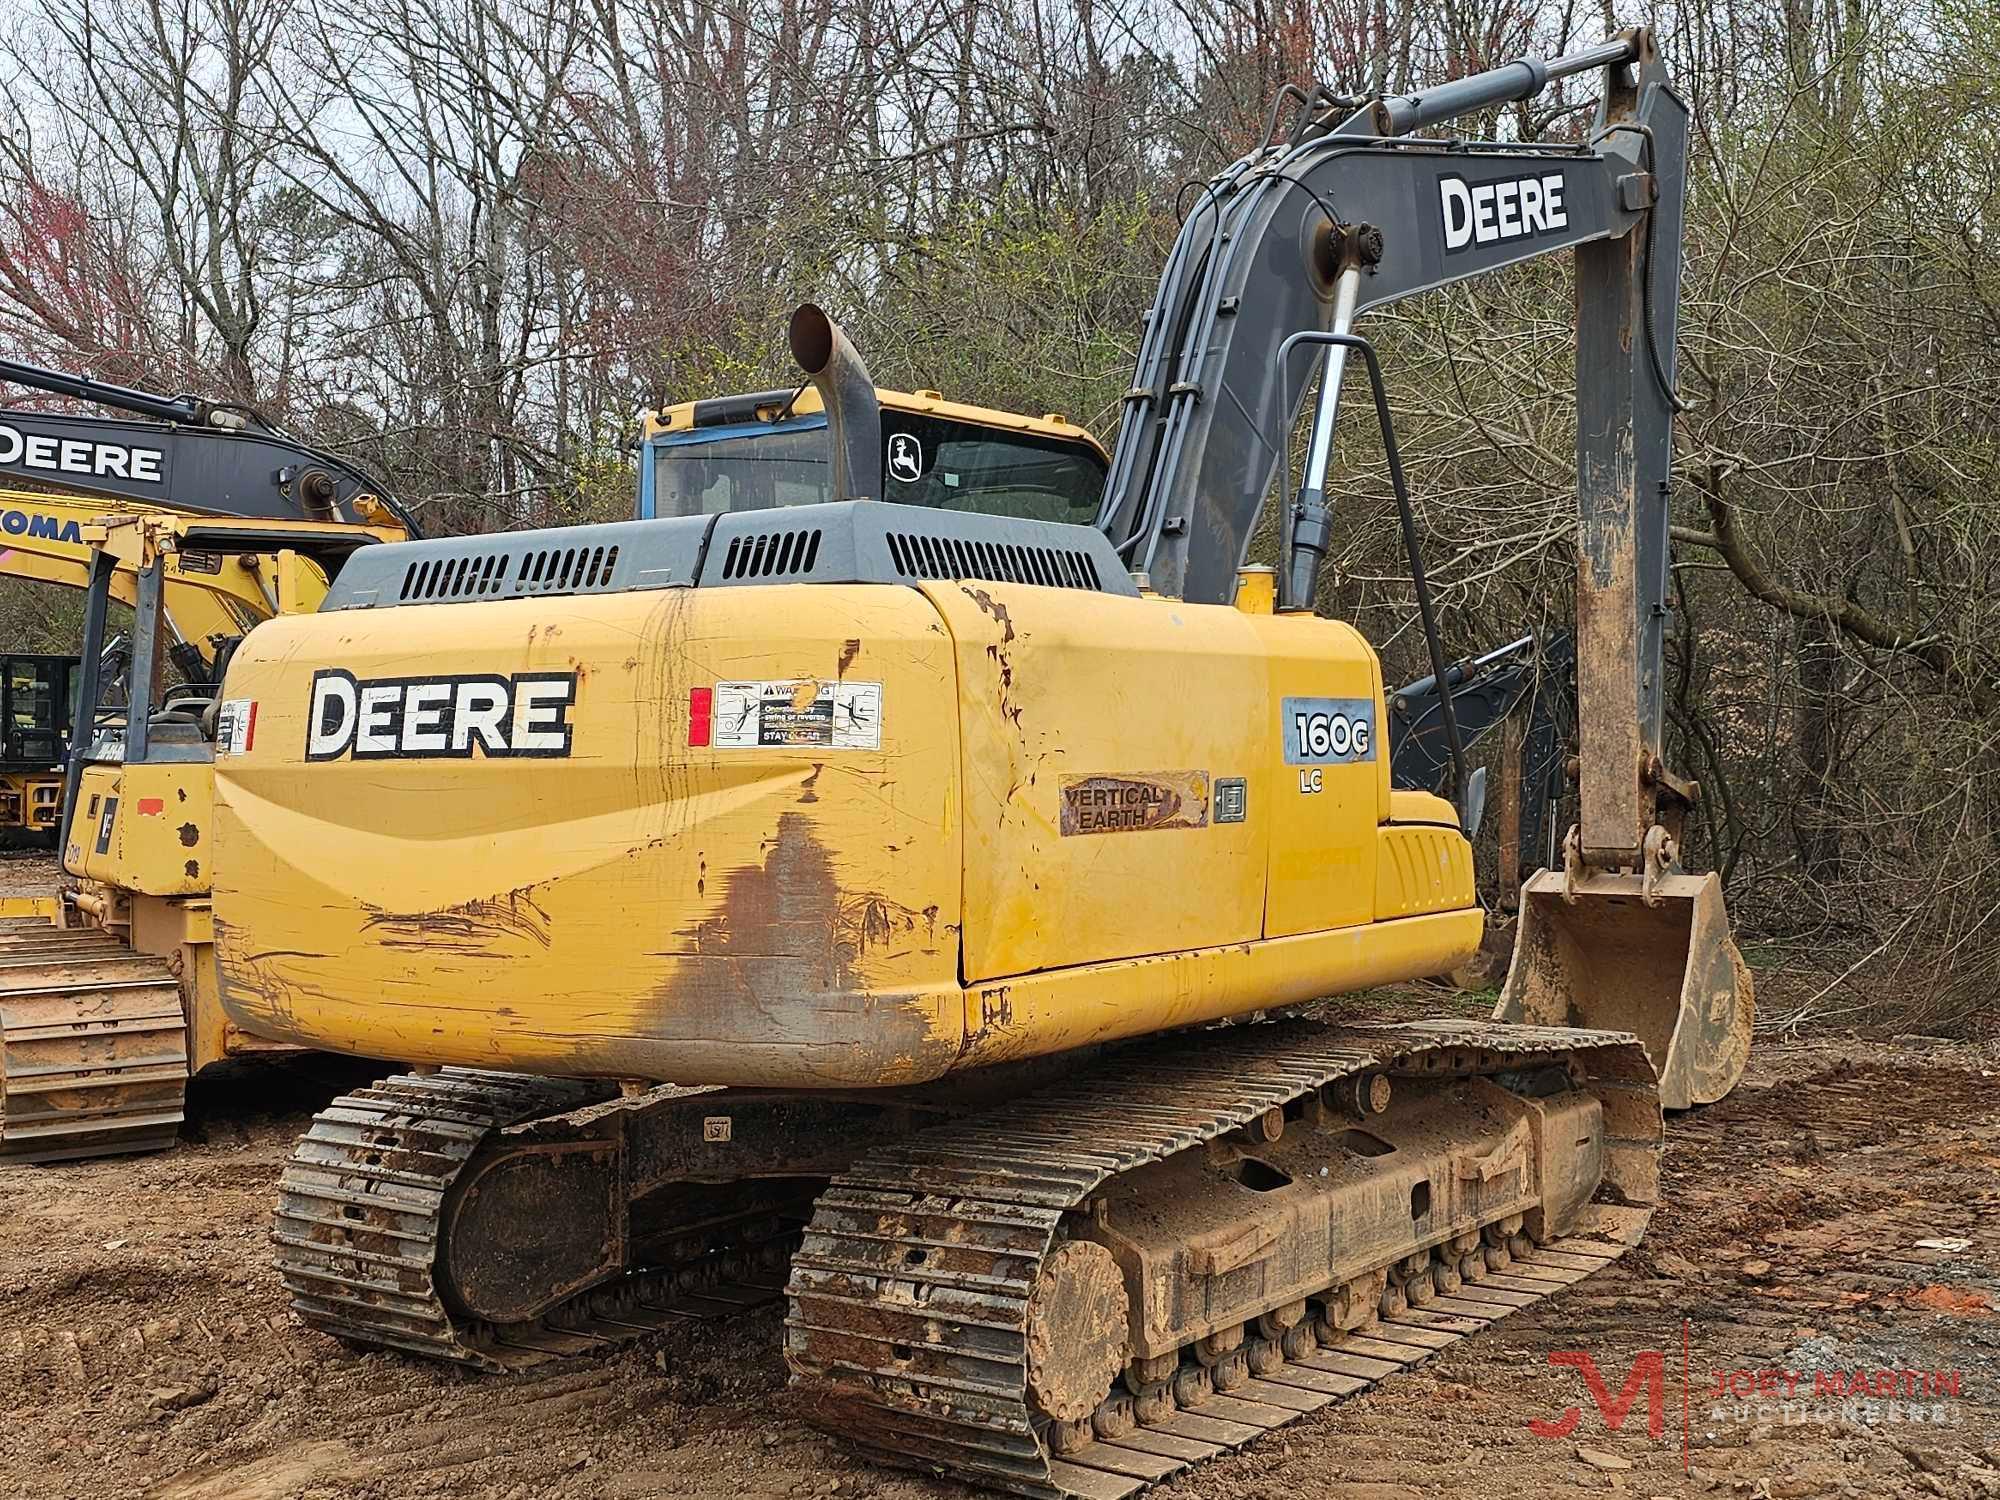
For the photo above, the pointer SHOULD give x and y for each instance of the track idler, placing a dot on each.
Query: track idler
(1615, 952)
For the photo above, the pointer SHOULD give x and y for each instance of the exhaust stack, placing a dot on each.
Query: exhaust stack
(853, 416)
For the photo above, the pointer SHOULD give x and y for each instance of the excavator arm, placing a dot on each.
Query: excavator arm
(183, 454)
(173, 455)
(42, 541)
(1277, 258)
(1354, 214)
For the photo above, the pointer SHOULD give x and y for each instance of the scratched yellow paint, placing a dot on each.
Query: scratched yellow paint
(813, 916)
(152, 878)
(638, 907)
(1324, 847)
(1057, 683)
(158, 840)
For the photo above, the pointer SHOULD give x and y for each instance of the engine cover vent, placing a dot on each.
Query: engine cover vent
(870, 541)
(477, 575)
(953, 557)
(618, 558)
(777, 554)
(852, 541)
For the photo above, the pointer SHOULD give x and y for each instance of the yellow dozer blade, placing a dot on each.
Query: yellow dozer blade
(1602, 955)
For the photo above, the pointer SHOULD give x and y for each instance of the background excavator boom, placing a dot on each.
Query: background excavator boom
(192, 454)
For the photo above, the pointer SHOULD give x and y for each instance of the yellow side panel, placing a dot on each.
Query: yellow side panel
(1407, 805)
(146, 829)
(1095, 730)
(1423, 870)
(636, 906)
(1331, 792)
(1036, 1014)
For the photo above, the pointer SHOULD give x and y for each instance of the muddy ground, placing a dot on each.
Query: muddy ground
(1841, 1212)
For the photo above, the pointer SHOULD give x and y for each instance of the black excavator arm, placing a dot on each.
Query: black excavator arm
(184, 453)
(1285, 248)
(1278, 256)
(1528, 682)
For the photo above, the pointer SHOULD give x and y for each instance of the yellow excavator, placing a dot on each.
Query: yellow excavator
(42, 542)
(107, 1012)
(36, 709)
(925, 849)
(206, 521)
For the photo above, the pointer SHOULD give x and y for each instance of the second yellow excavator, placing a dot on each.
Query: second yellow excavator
(203, 603)
(205, 521)
(923, 847)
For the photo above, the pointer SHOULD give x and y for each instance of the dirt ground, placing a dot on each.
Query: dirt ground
(27, 872)
(1840, 1213)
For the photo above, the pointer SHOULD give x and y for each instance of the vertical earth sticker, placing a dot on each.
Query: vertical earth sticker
(1134, 804)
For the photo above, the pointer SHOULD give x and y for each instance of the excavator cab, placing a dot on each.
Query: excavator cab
(767, 449)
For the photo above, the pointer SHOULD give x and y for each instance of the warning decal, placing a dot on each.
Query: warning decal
(1133, 804)
(798, 713)
(235, 726)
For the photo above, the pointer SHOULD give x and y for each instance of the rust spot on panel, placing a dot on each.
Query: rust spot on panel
(181, 793)
(993, 607)
(806, 792)
(791, 907)
(996, 1014)
(190, 835)
(472, 928)
(998, 651)
(847, 654)
(192, 868)
(784, 959)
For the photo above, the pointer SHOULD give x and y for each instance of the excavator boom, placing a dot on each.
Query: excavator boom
(42, 541)
(191, 455)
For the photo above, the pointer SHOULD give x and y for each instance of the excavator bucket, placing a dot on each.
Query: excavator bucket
(1604, 956)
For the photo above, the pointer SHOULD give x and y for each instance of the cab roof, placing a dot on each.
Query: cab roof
(764, 406)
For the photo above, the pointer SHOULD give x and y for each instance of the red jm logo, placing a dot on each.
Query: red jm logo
(1648, 1373)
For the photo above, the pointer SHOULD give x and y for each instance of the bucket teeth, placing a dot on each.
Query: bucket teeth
(93, 1046)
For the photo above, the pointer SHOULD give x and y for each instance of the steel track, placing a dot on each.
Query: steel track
(909, 1297)
(93, 1045)
(361, 1209)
